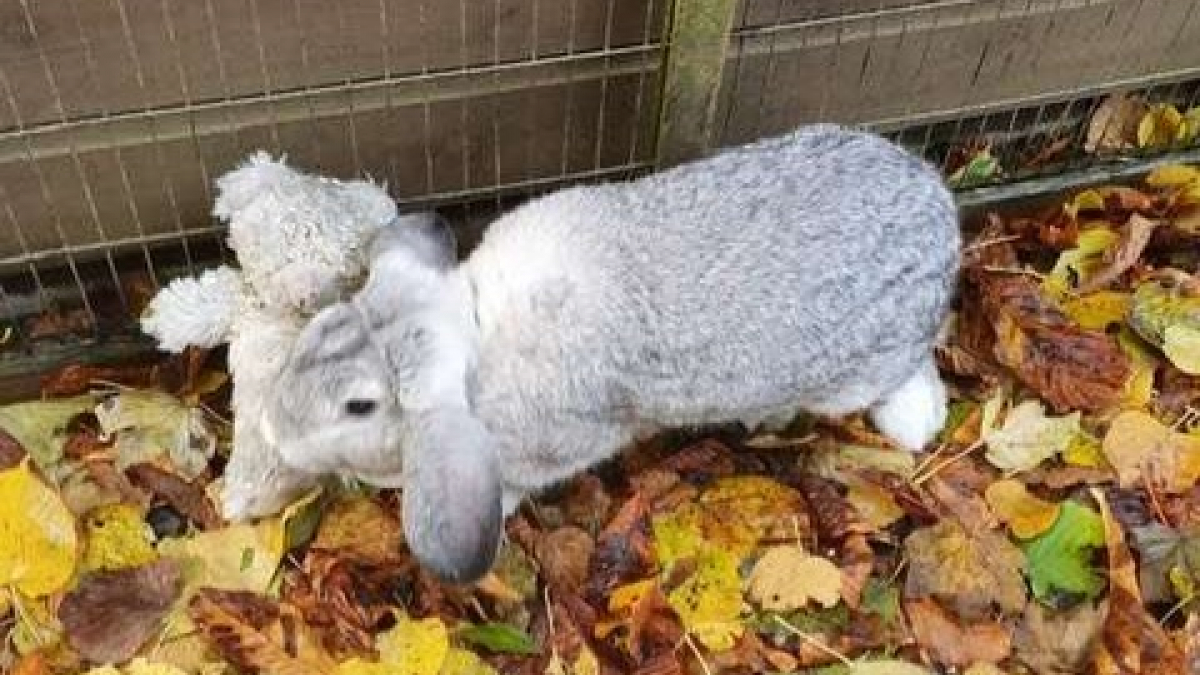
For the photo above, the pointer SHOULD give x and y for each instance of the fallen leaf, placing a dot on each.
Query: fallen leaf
(1135, 234)
(1099, 310)
(187, 498)
(734, 513)
(1072, 369)
(1059, 561)
(39, 547)
(411, 647)
(1141, 448)
(1079, 263)
(1181, 344)
(258, 635)
(970, 571)
(1057, 642)
(885, 667)
(41, 426)
(788, 577)
(1170, 562)
(709, 601)
(1114, 124)
(343, 524)
(953, 642)
(237, 558)
(148, 424)
(116, 537)
(980, 168)
(875, 505)
(111, 614)
(1167, 316)
(1173, 175)
(1162, 126)
(1026, 515)
(1028, 435)
(1131, 641)
(565, 556)
(462, 662)
(499, 637)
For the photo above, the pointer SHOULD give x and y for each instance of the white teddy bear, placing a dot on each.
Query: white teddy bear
(301, 243)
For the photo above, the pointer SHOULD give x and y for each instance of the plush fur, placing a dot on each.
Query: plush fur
(301, 242)
(806, 272)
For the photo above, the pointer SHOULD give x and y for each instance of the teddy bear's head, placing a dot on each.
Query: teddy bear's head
(300, 239)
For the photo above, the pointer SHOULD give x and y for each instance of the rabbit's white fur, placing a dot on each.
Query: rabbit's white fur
(809, 271)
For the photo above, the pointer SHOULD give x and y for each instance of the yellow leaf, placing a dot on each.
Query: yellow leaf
(463, 662)
(1076, 264)
(1084, 450)
(1088, 200)
(1026, 515)
(734, 513)
(629, 595)
(1181, 344)
(116, 537)
(38, 542)
(1139, 447)
(1173, 175)
(1161, 126)
(874, 504)
(37, 627)
(411, 647)
(885, 667)
(40, 426)
(1028, 437)
(140, 666)
(709, 602)
(586, 663)
(1099, 310)
(787, 577)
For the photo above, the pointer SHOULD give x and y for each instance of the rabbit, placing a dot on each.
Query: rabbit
(807, 272)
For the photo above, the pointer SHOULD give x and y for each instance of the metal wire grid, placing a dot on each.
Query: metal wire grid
(462, 109)
(462, 122)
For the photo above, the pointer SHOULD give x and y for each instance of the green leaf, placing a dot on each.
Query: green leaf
(881, 598)
(1059, 561)
(499, 637)
(40, 426)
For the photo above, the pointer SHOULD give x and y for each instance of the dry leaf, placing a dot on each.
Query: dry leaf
(565, 556)
(39, 546)
(1071, 368)
(1140, 448)
(1134, 237)
(953, 642)
(1114, 124)
(411, 647)
(969, 571)
(110, 615)
(1057, 643)
(186, 498)
(343, 526)
(258, 635)
(1132, 641)
(785, 578)
(1028, 436)
(1026, 515)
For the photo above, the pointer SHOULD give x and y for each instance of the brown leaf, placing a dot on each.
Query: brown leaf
(110, 615)
(565, 556)
(1134, 237)
(835, 517)
(59, 324)
(1072, 369)
(587, 504)
(11, 451)
(622, 551)
(33, 663)
(346, 520)
(78, 378)
(1114, 124)
(857, 560)
(1057, 643)
(186, 498)
(256, 634)
(972, 571)
(1132, 641)
(953, 642)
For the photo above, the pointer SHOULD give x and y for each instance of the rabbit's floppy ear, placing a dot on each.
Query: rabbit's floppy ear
(426, 236)
(452, 494)
(336, 333)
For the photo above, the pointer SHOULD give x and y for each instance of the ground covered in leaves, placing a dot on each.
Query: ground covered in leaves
(1055, 529)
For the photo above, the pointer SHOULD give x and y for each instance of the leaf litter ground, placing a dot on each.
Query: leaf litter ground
(1055, 528)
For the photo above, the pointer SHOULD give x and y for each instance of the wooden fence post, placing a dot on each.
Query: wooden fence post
(696, 39)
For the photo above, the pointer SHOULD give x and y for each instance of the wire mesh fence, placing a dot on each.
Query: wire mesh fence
(117, 115)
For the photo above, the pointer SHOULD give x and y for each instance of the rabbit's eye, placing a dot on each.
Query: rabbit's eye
(360, 407)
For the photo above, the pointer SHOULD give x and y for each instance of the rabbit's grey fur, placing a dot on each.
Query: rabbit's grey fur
(810, 271)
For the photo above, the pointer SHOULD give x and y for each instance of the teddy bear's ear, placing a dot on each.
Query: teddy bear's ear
(427, 237)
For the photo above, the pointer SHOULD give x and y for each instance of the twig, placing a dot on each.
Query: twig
(687, 639)
(810, 640)
(918, 480)
(975, 246)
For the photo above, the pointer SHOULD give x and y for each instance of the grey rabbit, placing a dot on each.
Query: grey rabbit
(805, 272)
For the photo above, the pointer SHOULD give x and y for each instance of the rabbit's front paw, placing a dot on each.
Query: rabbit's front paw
(913, 414)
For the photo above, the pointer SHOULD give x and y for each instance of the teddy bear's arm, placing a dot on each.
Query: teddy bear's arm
(195, 311)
